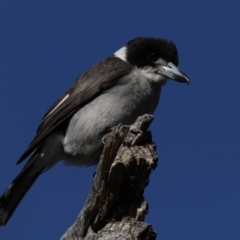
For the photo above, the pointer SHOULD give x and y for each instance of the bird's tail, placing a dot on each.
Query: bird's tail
(16, 191)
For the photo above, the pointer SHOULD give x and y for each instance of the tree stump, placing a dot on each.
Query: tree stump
(115, 207)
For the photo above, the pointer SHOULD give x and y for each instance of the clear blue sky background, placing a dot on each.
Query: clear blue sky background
(44, 45)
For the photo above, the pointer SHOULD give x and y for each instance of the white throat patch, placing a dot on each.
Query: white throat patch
(121, 53)
(151, 76)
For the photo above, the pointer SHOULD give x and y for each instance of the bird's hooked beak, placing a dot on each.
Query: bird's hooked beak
(172, 72)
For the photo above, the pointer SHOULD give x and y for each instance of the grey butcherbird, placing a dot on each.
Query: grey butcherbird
(116, 90)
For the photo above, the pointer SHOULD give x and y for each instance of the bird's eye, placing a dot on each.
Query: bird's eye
(152, 57)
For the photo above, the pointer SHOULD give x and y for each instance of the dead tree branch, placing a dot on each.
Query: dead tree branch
(115, 207)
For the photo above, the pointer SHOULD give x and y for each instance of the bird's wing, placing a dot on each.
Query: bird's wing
(88, 86)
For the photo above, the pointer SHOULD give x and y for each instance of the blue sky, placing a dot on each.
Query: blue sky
(44, 45)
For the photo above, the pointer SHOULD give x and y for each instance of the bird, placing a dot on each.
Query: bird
(115, 91)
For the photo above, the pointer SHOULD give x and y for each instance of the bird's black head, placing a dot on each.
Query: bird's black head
(156, 58)
(144, 51)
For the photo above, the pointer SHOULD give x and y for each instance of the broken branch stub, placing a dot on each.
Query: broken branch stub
(116, 196)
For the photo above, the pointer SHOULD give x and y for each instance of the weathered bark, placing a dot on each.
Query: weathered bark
(115, 207)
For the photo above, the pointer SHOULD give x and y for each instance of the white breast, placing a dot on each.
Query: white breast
(132, 97)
